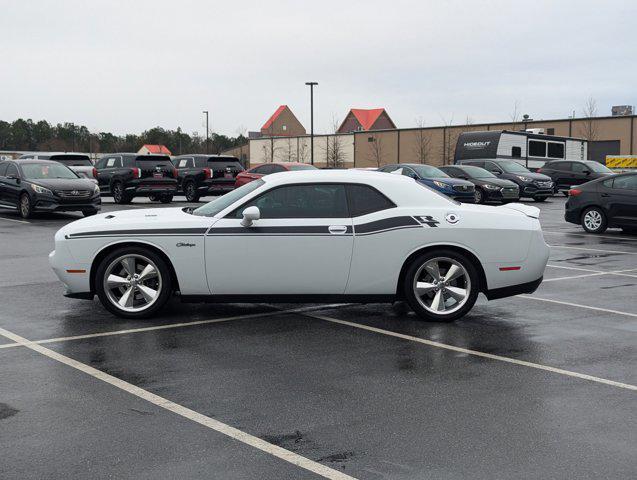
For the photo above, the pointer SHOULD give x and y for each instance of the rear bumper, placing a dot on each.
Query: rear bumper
(512, 290)
(572, 215)
(152, 188)
(214, 187)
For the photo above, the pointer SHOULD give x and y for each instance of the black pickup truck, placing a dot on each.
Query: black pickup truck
(201, 175)
(128, 175)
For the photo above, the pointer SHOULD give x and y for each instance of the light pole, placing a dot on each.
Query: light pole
(207, 133)
(311, 84)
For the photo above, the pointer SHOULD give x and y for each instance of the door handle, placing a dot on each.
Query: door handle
(337, 229)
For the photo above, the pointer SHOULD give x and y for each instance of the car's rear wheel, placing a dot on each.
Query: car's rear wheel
(478, 196)
(441, 285)
(133, 282)
(594, 220)
(190, 191)
(119, 195)
(539, 199)
(26, 206)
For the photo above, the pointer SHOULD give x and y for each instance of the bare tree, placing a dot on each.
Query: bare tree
(589, 129)
(335, 150)
(376, 150)
(422, 148)
(515, 116)
(450, 140)
(289, 152)
(302, 151)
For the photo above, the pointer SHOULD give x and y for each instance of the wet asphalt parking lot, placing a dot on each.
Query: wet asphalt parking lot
(539, 386)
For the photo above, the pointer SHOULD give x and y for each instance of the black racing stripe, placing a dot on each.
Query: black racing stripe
(277, 230)
(150, 231)
(385, 224)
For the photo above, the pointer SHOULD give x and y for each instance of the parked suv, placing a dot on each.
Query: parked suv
(488, 186)
(32, 186)
(128, 175)
(80, 163)
(201, 175)
(532, 185)
(566, 174)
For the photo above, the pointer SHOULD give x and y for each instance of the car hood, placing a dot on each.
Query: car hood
(500, 182)
(448, 180)
(64, 183)
(147, 221)
(535, 176)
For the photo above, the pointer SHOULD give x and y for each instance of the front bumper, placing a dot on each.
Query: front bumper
(54, 204)
(74, 276)
(501, 194)
(530, 190)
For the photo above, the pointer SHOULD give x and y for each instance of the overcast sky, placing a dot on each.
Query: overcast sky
(126, 66)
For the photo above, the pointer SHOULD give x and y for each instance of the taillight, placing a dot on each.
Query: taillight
(574, 192)
(539, 170)
(175, 173)
(94, 172)
(207, 172)
(137, 173)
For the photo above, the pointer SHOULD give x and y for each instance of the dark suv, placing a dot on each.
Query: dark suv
(201, 175)
(532, 185)
(128, 175)
(566, 174)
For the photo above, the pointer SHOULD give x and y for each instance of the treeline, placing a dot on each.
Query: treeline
(27, 135)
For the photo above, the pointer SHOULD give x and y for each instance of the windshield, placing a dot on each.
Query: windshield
(303, 167)
(73, 160)
(34, 171)
(210, 209)
(598, 167)
(427, 171)
(512, 167)
(477, 172)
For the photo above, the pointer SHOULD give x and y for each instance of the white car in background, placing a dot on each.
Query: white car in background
(307, 236)
(80, 163)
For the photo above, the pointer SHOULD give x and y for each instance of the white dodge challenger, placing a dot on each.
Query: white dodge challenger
(307, 236)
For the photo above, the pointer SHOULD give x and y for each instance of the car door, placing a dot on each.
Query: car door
(622, 200)
(11, 185)
(580, 173)
(105, 169)
(301, 245)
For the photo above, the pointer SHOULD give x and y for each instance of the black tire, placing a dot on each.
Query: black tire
(190, 191)
(25, 206)
(165, 291)
(593, 220)
(166, 198)
(153, 197)
(479, 196)
(119, 195)
(415, 268)
(539, 199)
(88, 213)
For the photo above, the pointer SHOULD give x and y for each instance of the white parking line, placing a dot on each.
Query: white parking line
(594, 273)
(476, 353)
(174, 325)
(578, 305)
(589, 235)
(211, 423)
(593, 249)
(13, 220)
(584, 275)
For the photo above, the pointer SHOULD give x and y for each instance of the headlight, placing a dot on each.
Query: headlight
(97, 189)
(441, 184)
(39, 189)
(524, 179)
(491, 187)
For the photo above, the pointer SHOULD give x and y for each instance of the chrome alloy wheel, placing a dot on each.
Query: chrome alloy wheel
(442, 285)
(593, 220)
(132, 283)
(25, 206)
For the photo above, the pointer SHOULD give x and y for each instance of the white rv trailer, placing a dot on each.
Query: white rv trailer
(530, 149)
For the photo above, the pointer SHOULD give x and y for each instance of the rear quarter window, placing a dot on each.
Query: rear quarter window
(364, 199)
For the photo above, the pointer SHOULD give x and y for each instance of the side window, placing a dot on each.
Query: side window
(408, 172)
(320, 200)
(608, 183)
(578, 167)
(475, 164)
(492, 167)
(277, 168)
(537, 148)
(3, 169)
(364, 200)
(627, 182)
(12, 170)
(516, 152)
(556, 150)
(561, 166)
(389, 168)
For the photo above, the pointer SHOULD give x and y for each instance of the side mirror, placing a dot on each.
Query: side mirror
(586, 172)
(250, 214)
(13, 177)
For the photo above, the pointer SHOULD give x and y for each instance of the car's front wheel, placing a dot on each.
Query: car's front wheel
(478, 196)
(119, 195)
(594, 220)
(133, 282)
(441, 285)
(26, 206)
